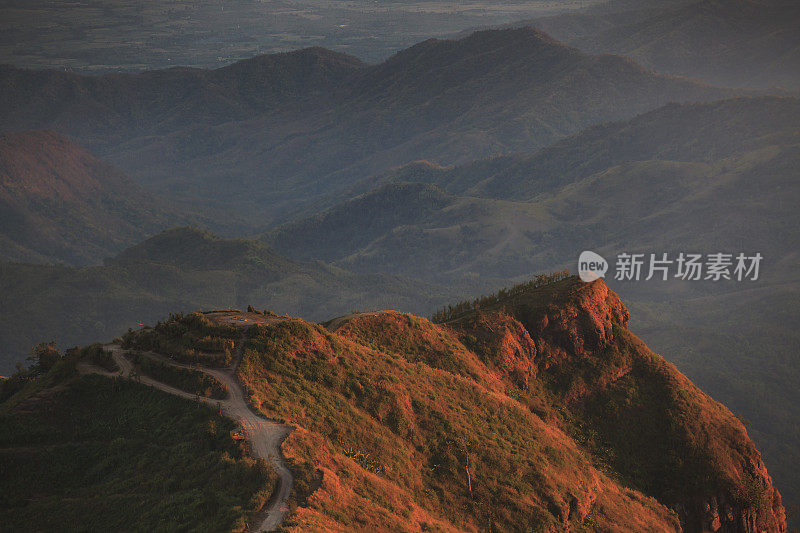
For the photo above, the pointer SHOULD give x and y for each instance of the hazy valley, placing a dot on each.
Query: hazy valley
(215, 138)
(733, 43)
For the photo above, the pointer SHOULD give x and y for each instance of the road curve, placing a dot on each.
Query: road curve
(264, 435)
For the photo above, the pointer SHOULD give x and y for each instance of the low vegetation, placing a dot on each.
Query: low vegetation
(560, 418)
(394, 439)
(106, 454)
(192, 381)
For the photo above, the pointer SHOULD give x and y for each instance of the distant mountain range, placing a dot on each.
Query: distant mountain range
(267, 135)
(652, 181)
(731, 43)
(58, 203)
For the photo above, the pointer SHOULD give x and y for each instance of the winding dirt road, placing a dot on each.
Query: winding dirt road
(264, 436)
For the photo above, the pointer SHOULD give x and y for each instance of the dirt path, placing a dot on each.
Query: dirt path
(265, 436)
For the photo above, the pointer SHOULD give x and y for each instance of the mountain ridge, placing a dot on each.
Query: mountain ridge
(60, 203)
(183, 269)
(655, 173)
(536, 406)
(494, 91)
(736, 43)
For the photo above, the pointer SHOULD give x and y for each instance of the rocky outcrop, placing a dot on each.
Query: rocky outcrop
(503, 343)
(721, 514)
(636, 411)
(581, 321)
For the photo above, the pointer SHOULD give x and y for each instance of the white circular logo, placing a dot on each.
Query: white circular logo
(591, 266)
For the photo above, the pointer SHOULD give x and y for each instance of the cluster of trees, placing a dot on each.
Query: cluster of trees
(42, 359)
(189, 338)
(196, 323)
(461, 308)
(98, 356)
(265, 312)
(48, 362)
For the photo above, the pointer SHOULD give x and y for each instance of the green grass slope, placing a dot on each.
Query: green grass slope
(93, 453)
(532, 409)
